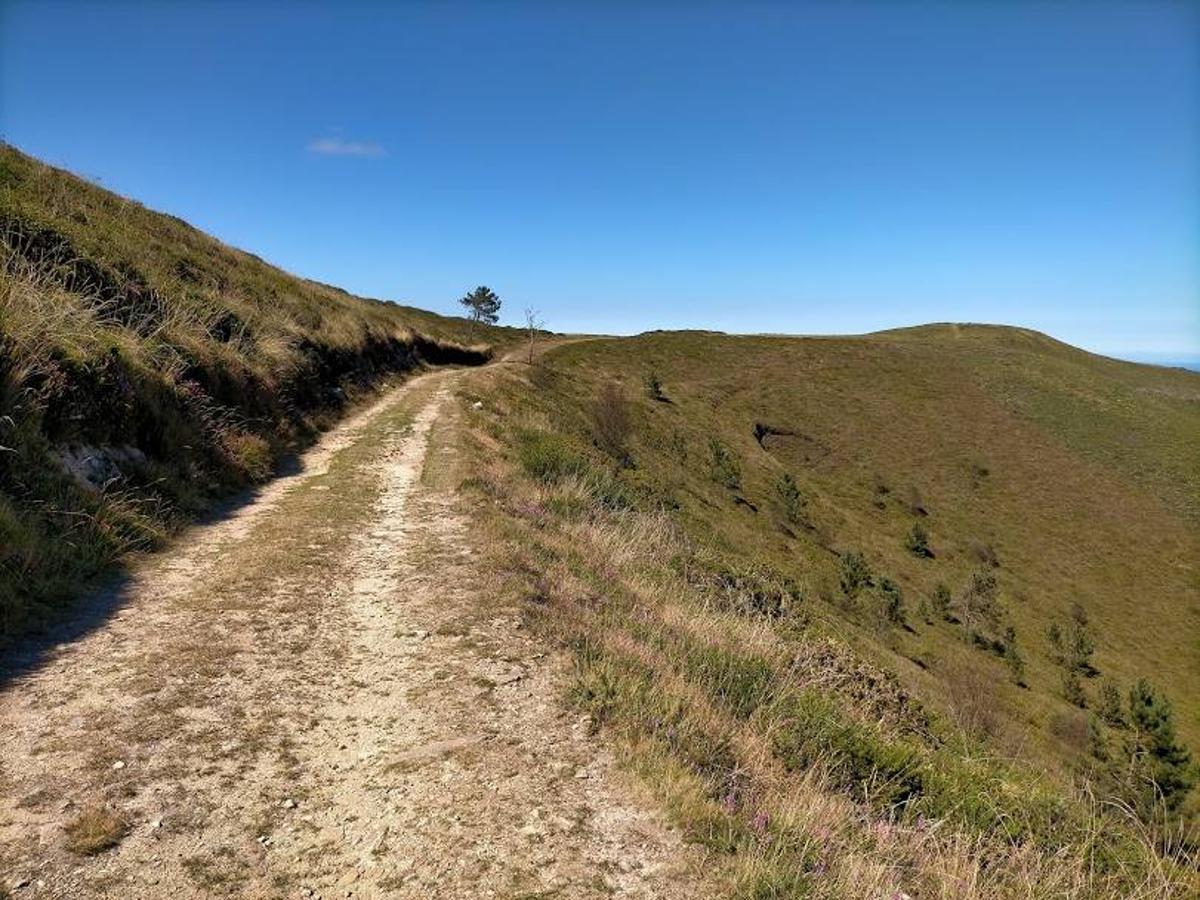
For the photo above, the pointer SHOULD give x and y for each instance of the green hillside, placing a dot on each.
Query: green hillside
(919, 607)
(1080, 474)
(164, 368)
(849, 556)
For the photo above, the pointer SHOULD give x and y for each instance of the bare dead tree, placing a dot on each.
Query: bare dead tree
(533, 324)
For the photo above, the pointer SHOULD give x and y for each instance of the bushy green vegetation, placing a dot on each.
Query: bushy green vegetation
(791, 500)
(917, 541)
(147, 370)
(725, 468)
(774, 680)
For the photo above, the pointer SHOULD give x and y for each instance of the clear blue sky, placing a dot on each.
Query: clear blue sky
(626, 166)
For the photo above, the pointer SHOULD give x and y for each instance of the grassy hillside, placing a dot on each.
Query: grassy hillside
(162, 369)
(812, 583)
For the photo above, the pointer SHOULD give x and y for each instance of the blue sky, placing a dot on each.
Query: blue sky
(819, 168)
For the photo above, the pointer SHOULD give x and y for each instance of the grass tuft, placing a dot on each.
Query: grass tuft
(94, 830)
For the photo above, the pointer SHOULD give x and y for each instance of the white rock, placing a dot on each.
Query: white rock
(119, 764)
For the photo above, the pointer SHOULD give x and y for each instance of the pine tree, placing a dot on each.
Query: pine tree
(1080, 645)
(1054, 636)
(893, 601)
(724, 467)
(1160, 764)
(924, 612)
(1073, 689)
(1097, 745)
(978, 601)
(654, 386)
(790, 499)
(483, 305)
(1110, 705)
(855, 574)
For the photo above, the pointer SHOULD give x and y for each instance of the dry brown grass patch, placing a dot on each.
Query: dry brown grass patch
(94, 830)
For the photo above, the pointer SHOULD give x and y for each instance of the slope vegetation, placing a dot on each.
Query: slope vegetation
(146, 370)
(875, 612)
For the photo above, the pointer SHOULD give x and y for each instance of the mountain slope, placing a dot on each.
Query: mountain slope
(1074, 477)
(789, 562)
(146, 370)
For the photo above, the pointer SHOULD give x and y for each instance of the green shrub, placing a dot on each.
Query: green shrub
(893, 601)
(596, 689)
(780, 882)
(1054, 637)
(546, 457)
(250, 454)
(719, 832)
(942, 602)
(724, 467)
(917, 541)
(1072, 689)
(609, 493)
(1110, 705)
(749, 590)
(791, 501)
(978, 601)
(1012, 656)
(982, 797)
(855, 574)
(94, 830)
(899, 776)
(677, 446)
(812, 731)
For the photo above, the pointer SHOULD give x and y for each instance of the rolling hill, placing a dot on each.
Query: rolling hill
(1072, 477)
(931, 565)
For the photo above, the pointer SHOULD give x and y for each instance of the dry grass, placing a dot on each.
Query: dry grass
(94, 830)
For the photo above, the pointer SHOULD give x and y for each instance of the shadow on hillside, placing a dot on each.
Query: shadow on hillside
(100, 601)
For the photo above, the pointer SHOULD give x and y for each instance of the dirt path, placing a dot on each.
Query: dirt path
(313, 698)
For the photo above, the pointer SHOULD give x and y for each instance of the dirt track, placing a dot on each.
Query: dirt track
(315, 698)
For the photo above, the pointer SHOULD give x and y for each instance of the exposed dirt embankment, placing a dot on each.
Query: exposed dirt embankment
(103, 456)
